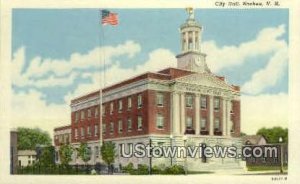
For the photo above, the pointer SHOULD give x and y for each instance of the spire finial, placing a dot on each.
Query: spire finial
(190, 11)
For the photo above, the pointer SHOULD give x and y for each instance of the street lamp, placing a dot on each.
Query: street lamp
(171, 144)
(281, 154)
(150, 159)
(185, 160)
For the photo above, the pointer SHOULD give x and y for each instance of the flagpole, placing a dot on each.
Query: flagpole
(106, 17)
(101, 86)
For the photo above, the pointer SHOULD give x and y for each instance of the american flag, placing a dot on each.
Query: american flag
(109, 18)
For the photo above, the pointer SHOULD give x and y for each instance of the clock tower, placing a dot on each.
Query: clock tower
(191, 57)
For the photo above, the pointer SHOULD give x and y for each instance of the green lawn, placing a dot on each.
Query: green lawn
(266, 168)
(200, 172)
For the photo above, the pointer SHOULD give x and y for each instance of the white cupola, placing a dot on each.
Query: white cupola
(191, 57)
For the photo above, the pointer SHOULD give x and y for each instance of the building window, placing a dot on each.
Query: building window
(203, 124)
(96, 130)
(129, 103)
(103, 110)
(89, 131)
(89, 113)
(120, 126)
(217, 124)
(140, 123)
(89, 151)
(111, 127)
(82, 132)
(111, 107)
(204, 158)
(160, 99)
(189, 123)
(120, 105)
(140, 101)
(96, 112)
(216, 103)
(82, 114)
(189, 101)
(231, 126)
(159, 121)
(76, 133)
(60, 138)
(129, 125)
(104, 128)
(120, 149)
(66, 138)
(76, 117)
(96, 151)
(203, 102)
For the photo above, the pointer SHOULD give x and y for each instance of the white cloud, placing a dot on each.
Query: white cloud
(30, 110)
(265, 42)
(62, 70)
(158, 60)
(266, 110)
(268, 76)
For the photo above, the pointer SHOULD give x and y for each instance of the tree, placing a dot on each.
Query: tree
(84, 152)
(29, 138)
(47, 157)
(65, 154)
(272, 134)
(242, 134)
(108, 153)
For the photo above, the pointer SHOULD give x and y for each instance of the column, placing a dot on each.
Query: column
(224, 114)
(182, 112)
(211, 115)
(197, 114)
(194, 41)
(186, 41)
(228, 102)
(175, 113)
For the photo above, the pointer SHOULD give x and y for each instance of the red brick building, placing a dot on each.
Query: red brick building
(167, 104)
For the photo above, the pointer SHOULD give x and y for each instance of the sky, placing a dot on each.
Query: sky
(59, 54)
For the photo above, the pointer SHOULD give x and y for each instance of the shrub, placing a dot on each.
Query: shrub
(142, 169)
(128, 168)
(174, 169)
(156, 170)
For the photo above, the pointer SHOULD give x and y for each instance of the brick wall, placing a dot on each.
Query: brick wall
(133, 113)
(154, 109)
(236, 118)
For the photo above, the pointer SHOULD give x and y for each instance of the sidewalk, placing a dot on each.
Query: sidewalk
(244, 172)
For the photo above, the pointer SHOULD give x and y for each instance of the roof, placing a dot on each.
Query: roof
(26, 152)
(62, 128)
(166, 74)
(253, 139)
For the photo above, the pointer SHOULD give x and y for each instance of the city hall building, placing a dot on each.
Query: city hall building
(183, 106)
